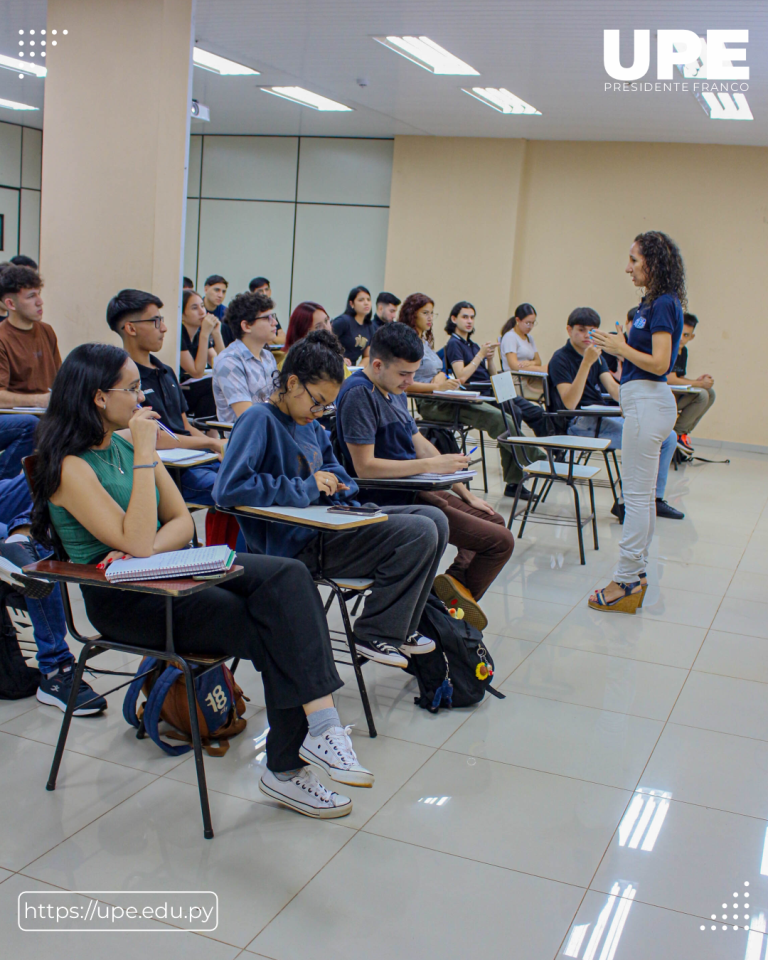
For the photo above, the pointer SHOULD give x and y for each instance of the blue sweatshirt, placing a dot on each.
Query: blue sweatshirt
(270, 462)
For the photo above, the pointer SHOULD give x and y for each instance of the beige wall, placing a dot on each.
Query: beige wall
(564, 243)
(114, 160)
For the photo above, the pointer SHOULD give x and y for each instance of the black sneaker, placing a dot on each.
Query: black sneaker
(618, 510)
(381, 652)
(14, 556)
(417, 643)
(511, 490)
(55, 691)
(663, 509)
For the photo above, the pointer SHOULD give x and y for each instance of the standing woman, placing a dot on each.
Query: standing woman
(354, 327)
(519, 351)
(648, 405)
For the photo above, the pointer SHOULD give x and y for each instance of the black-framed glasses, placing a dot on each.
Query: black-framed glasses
(156, 320)
(319, 408)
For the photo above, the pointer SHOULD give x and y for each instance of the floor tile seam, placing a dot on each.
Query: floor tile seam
(657, 906)
(730, 676)
(620, 656)
(22, 714)
(88, 824)
(620, 713)
(484, 863)
(80, 753)
(725, 733)
(402, 786)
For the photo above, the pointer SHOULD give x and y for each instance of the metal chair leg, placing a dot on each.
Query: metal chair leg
(355, 660)
(578, 522)
(610, 475)
(594, 514)
(527, 506)
(197, 746)
(68, 713)
(482, 457)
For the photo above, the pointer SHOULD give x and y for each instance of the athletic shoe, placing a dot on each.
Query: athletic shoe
(684, 444)
(455, 594)
(333, 751)
(381, 652)
(14, 556)
(55, 692)
(511, 490)
(416, 644)
(663, 509)
(305, 794)
(618, 510)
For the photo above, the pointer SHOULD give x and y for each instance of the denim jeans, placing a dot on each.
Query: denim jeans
(197, 483)
(17, 440)
(15, 505)
(611, 428)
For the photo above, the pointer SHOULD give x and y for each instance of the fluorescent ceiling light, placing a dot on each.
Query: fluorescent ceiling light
(306, 98)
(502, 100)
(220, 65)
(12, 105)
(428, 54)
(22, 66)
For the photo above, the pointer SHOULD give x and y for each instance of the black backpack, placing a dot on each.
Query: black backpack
(459, 670)
(442, 439)
(17, 680)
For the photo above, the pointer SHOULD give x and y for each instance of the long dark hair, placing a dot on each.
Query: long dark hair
(72, 423)
(318, 356)
(450, 326)
(186, 296)
(350, 310)
(521, 312)
(411, 306)
(664, 266)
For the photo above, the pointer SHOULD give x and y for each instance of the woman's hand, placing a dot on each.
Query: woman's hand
(209, 324)
(143, 427)
(478, 503)
(613, 343)
(113, 555)
(329, 483)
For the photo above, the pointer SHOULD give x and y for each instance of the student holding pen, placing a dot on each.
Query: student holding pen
(648, 405)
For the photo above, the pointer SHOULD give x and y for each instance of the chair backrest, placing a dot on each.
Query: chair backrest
(503, 386)
(28, 465)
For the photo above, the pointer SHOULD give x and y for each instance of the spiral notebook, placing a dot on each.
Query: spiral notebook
(175, 563)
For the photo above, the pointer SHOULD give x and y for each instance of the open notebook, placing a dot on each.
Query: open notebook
(175, 563)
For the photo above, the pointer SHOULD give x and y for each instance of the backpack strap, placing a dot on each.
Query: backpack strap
(495, 692)
(134, 689)
(154, 705)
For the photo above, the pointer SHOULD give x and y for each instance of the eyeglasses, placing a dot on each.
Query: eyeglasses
(319, 408)
(156, 320)
(267, 316)
(134, 390)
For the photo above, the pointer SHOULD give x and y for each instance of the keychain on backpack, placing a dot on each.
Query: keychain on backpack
(444, 694)
(484, 670)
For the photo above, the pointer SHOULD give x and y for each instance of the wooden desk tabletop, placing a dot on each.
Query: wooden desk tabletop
(317, 517)
(203, 458)
(90, 575)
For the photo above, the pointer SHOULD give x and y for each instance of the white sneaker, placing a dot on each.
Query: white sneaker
(416, 644)
(305, 794)
(333, 751)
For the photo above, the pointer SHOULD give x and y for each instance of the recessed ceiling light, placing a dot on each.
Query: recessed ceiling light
(220, 65)
(10, 63)
(13, 105)
(502, 100)
(306, 98)
(428, 54)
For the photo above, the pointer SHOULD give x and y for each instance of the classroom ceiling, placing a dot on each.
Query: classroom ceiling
(548, 52)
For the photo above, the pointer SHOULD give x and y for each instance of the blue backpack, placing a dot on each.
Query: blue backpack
(220, 706)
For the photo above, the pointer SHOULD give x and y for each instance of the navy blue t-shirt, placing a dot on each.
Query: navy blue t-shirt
(465, 352)
(663, 315)
(563, 368)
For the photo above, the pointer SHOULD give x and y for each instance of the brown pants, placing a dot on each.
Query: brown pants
(483, 540)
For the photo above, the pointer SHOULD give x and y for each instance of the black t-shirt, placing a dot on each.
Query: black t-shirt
(354, 337)
(465, 352)
(563, 368)
(681, 363)
(163, 393)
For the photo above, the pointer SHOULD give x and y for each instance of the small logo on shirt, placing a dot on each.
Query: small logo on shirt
(638, 323)
(361, 341)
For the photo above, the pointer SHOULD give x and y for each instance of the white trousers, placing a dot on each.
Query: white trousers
(650, 412)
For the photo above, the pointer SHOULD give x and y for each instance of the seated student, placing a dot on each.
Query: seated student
(186, 284)
(481, 416)
(135, 316)
(43, 601)
(279, 455)
(201, 340)
(101, 485)
(262, 285)
(306, 317)
(519, 351)
(242, 374)
(29, 359)
(577, 372)
(386, 309)
(691, 406)
(354, 327)
(379, 438)
(214, 292)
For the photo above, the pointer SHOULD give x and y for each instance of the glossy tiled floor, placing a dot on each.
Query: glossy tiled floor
(614, 805)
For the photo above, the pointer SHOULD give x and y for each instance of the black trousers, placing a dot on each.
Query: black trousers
(272, 615)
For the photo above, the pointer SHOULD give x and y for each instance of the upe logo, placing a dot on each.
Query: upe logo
(677, 47)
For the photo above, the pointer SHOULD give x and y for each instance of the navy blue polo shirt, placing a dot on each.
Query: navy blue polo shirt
(465, 352)
(353, 336)
(563, 368)
(662, 315)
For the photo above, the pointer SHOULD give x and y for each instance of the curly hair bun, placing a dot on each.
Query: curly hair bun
(327, 339)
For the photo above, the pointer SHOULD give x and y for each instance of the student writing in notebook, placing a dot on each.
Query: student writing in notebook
(379, 439)
(279, 455)
(100, 483)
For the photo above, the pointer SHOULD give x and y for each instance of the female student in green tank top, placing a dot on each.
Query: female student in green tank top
(100, 483)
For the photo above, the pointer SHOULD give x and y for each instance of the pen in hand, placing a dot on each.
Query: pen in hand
(169, 432)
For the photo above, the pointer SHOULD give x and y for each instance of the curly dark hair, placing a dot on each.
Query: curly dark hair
(664, 266)
(411, 306)
(245, 306)
(318, 356)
